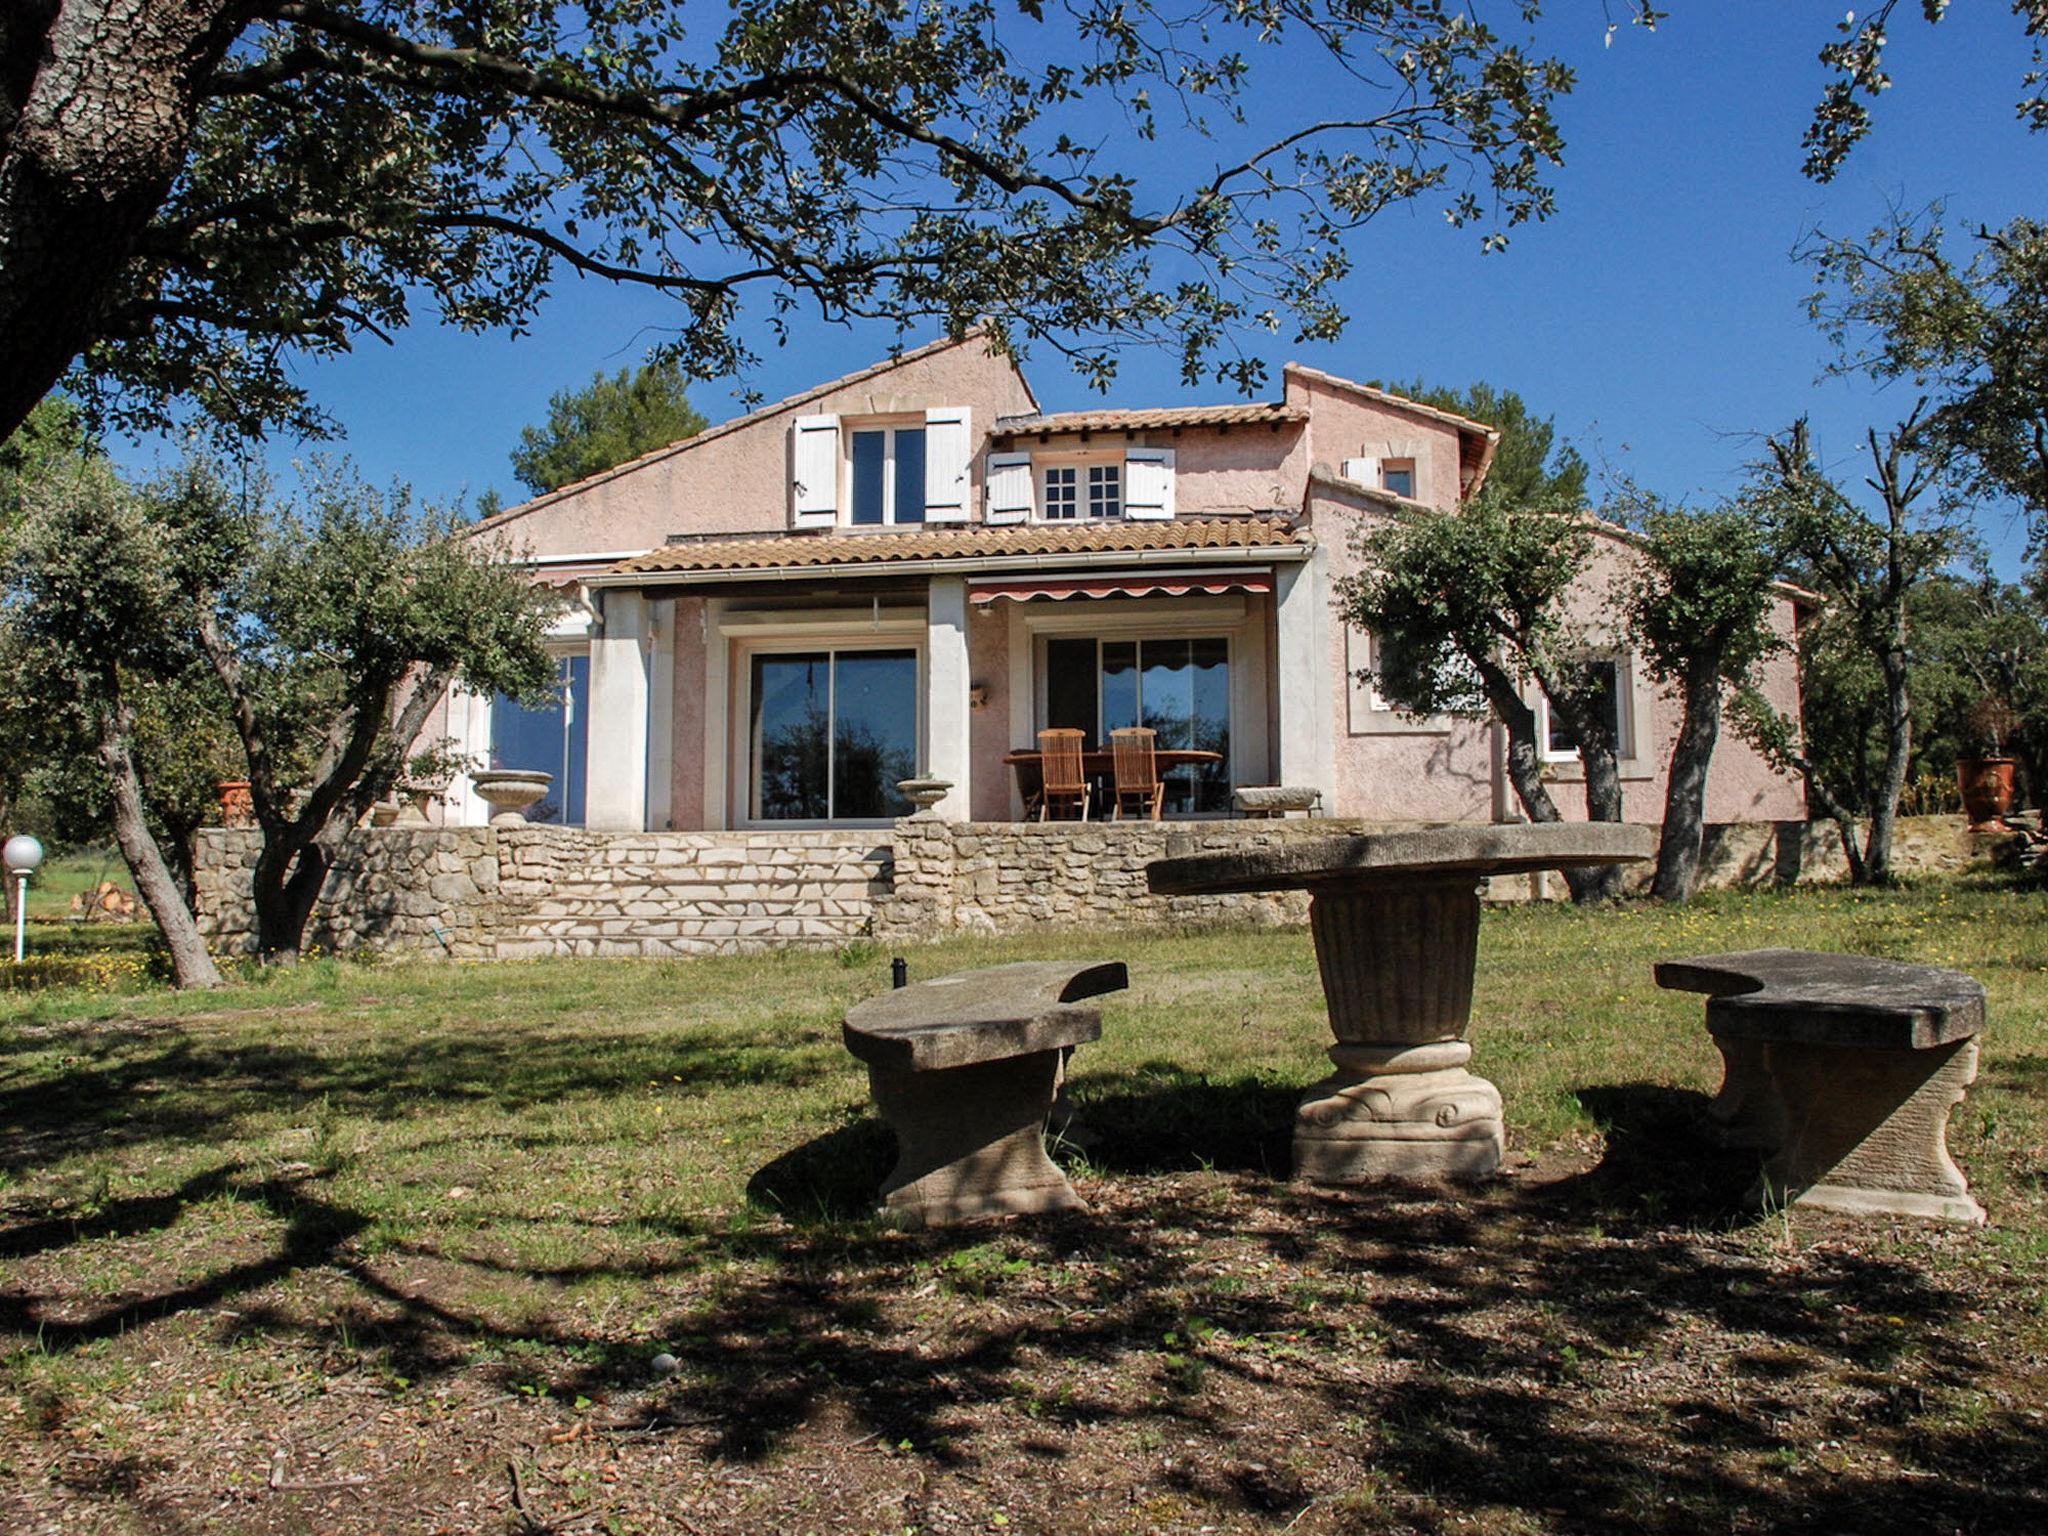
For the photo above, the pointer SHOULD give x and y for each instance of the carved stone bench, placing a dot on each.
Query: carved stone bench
(1843, 1070)
(965, 1069)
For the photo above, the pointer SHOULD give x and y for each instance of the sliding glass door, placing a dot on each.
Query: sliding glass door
(1179, 687)
(831, 733)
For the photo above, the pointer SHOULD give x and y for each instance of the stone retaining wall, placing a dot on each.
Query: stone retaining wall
(500, 893)
(1005, 876)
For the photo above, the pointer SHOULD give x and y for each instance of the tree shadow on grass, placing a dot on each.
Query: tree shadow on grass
(1611, 1344)
(117, 1090)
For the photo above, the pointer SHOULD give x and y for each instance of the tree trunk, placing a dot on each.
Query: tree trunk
(1898, 750)
(1525, 773)
(1685, 791)
(285, 888)
(99, 102)
(190, 963)
(1597, 756)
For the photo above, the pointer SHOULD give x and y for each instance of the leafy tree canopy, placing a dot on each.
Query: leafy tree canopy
(53, 432)
(611, 419)
(184, 205)
(1855, 61)
(1899, 304)
(1529, 464)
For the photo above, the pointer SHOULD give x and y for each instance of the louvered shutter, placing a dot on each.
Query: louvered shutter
(1009, 487)
(814, 472)
(948, 458)
(1148, 484)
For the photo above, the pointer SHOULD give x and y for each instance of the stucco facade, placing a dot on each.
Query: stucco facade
(912, 571)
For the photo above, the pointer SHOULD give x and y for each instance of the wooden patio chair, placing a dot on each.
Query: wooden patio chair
(1137, 770)
(1061, 779)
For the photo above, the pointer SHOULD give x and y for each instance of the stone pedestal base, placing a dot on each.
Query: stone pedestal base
(1746, 1112)
(971, 1141)
(1398, 1112)
(1867, 1131)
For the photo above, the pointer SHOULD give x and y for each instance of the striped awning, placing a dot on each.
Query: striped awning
(1123, 584)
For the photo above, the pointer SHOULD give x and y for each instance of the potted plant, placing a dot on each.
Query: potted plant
(1986, 780)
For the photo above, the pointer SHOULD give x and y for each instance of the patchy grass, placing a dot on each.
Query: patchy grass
(393, 1248)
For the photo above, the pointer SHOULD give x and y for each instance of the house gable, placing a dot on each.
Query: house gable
(736, 477)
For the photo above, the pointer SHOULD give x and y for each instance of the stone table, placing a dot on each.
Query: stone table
(1396, 922)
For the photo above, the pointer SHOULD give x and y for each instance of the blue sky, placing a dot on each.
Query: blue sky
(1657, 316)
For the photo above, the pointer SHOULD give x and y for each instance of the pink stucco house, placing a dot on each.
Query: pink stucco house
(913, 569)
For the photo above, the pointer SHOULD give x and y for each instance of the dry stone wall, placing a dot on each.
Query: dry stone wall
(508, 892)
(572, 892)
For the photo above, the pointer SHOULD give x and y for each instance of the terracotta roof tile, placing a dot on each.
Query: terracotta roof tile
(977, 541)
(1243, 413)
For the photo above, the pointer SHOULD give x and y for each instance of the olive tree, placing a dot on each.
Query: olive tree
(93, 609)
(313, 637)
(1468, 607)
(1698, 602)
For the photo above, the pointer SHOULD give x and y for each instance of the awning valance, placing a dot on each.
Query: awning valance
(1121, 584)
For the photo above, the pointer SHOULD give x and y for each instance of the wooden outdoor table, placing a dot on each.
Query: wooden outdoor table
(1396, 922)
(1100, 765)
(1104, 762)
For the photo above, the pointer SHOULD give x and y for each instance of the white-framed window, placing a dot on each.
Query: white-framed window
(1100, 485)
(1397, 476)
(881, 471)
(1062, 499)
(1105, 490)
(886, 476)
(831, 729)
(1612, 696)
(552, 737)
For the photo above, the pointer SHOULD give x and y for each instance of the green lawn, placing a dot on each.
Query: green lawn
(389, 1247)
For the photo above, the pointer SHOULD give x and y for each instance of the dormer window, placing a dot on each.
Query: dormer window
(1077, 491)
(888, 480)
(881, 472)
(1076, 486)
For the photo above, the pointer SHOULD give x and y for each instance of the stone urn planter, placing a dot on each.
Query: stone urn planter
(413, 800)
(924, 794)
(509, 791)
(1986, 783)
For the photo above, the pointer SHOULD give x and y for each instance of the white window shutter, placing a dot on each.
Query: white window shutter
(1364, 471)
(1148, 484)
(948, 462)
(1009, 487)
(814, 472)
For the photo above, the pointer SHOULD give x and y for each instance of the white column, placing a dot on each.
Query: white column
(620, 651)
(1301, 669)
(945, 695)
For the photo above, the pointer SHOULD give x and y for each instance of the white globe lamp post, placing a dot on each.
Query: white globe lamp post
(23, 856)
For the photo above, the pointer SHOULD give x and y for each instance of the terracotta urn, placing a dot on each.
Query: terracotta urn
(1986, 783)
(509, 791)
(237, 808)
